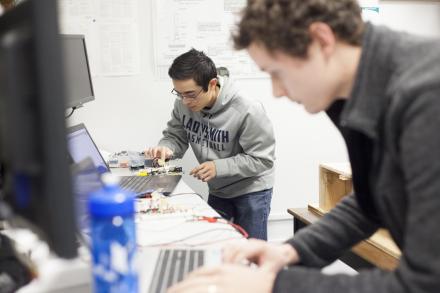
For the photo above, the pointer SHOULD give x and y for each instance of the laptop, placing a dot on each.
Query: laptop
(81, 146)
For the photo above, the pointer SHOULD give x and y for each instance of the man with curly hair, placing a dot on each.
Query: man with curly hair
(381, 88)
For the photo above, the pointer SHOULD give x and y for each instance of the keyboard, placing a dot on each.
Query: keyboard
(142, 184)
(164, 183)
(173, 265)
(135, 183)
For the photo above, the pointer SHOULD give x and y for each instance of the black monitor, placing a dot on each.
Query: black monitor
(33, 149)
(79, 88)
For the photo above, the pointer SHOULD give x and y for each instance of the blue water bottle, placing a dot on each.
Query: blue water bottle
(113, 238)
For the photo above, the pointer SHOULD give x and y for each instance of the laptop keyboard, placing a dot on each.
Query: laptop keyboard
(160, 182)
(135, 183)
(173, 265)
(140, 184)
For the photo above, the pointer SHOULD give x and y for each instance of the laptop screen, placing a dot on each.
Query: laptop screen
(81, 146)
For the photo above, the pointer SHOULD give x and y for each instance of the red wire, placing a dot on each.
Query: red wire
(235, 226)
(239, 229)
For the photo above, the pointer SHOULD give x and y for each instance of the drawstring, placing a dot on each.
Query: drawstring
(207, 137)
(201, 135)
(207, 151)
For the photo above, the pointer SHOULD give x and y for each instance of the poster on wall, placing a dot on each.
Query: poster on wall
(179, 25)
(111, 31)
(204, 25)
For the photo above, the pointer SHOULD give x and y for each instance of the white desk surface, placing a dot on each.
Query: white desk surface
(153, 232)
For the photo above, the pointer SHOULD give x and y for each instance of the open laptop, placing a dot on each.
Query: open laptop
(81, 145)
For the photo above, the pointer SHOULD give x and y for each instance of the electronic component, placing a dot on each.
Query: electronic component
(126, 159)
(157, 203)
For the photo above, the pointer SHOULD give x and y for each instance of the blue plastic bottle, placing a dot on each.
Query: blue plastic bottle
(113, 238)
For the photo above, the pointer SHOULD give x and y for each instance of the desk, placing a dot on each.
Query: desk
(75, 276)
(376, 251)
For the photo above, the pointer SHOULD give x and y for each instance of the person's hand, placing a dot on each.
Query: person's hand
(205, 171)
(271, 257)
(227, 278)
(161, 152)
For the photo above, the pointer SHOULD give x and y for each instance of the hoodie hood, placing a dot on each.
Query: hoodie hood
(228, 90)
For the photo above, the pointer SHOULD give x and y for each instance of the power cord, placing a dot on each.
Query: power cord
(185, 193)
(186, 237)
(237, 227)
(71, 113)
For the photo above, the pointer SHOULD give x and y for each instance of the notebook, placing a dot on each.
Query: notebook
(81, 146)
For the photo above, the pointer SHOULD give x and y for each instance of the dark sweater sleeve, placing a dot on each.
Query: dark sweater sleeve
(419, 267)
(326, 240)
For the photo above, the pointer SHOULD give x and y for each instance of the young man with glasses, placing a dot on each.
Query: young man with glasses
(381, 89)
(232, 138)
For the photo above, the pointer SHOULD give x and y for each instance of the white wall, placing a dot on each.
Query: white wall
(130, 113)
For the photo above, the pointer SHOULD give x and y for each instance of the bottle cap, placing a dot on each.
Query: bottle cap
(109, 179)
(111, 200)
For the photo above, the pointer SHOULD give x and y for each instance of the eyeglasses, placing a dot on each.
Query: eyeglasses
(190, 95)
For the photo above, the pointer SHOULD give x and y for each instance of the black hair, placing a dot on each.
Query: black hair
(193, 65)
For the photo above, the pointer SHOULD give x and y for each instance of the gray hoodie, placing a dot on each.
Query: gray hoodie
(235, 133)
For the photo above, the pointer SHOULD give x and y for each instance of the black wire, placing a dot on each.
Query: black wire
(70, 114)
(224, 215)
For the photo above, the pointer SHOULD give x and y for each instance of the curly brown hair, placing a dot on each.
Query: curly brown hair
(283, 24)
(7, 4)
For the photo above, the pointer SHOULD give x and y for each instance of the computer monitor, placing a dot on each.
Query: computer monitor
(33, 150)
(79, 87)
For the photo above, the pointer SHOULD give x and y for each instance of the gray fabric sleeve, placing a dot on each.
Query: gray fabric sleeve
(258, 143)
(326, 240)
(419, 267)
(174, 136)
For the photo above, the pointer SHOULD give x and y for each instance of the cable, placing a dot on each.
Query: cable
(140, 226)
(237, 227)
(186, 237)
(219, 220)
(208, 242)
(71, 113)
(224, 215)
(184, 193)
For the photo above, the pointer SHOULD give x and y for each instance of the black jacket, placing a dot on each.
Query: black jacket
(391, 125)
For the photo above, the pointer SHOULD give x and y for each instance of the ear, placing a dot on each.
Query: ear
(323, 35)
(213, 82)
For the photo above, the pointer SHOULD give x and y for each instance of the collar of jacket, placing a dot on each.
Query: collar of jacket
(363, 109)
